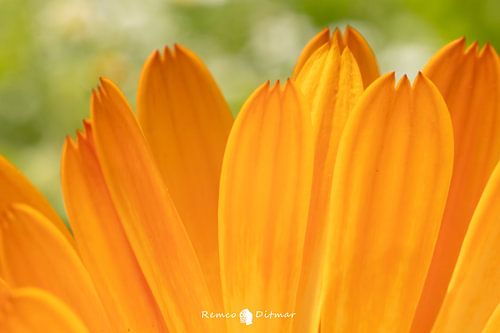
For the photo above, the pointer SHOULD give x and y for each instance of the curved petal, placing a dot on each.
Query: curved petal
(101, 240)
(265, 188)
(389, 190)
(333, 83)
(186, 122)
(474, 290)
(28, 310)
(351, 39)
(470, 84)
(364, 55)
(312, 46)
(35, 254)
(16, 188)
(149, 218)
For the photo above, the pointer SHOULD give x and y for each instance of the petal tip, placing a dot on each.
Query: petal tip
(420, 79)
(389, 77)
(69, 143)
(289, 86)
(473, 48)
(275, 86)
(488, 51)
(404, 83)
(459, 44)
(155, 57)
(351, 32)
(347, 53)
(167, 54)
(179, 48)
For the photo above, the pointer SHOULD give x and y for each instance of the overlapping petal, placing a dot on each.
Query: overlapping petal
(14, 188)
(351, 39)
(28, 310)
(332, 83)
(474, 290)
(389, 190)
(322, 38)
(186, 122)
(102, 243)
(148, 215)
(470, 84)
(264, 200)
(35, 254)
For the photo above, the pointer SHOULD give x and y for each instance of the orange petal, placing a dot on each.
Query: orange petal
(351, 39)
(389, 190)
(493, 324)
(265, 190)
(363, 53)
(103, 246)
(333, 83)
(16, 188)
(474, 290)
(35, 254)
(186, 122)
(150, 220)
(28, 310)
(470, 85)
(312, 46)
(318, 81)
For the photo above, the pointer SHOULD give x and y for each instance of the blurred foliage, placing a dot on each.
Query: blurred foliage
(53, 51)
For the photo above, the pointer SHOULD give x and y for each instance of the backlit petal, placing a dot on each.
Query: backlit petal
(150, 220)
(363, 53)
(102, 243)
(35, 254)
(333, 83)
(14, 187)
(265, 190)
(351, 39)
(389, 190)
(312, 46)
(470, 84)
(186, 122)
(28, 310)
(474, 290)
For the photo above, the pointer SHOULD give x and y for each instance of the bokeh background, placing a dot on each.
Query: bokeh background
(53, 51)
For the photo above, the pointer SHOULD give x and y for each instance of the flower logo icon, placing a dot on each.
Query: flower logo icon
(246, 317)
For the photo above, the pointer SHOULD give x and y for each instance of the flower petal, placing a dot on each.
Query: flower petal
(16, 188)
(312, 46)
(102, 242)
(364, 55)
(389, 190)
(474, 290)
(186, 122)
(27, 310)
(265, 190)
(150, 220)
(351, 39)
(333, 83)
(35, 254)
(470, 85)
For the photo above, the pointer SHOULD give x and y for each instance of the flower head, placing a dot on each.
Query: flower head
(338, 201)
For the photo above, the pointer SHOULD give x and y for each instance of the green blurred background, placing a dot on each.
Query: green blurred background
(53, 51)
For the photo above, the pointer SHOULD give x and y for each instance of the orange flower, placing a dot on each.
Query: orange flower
(336, 201)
